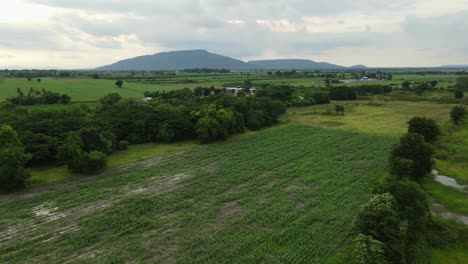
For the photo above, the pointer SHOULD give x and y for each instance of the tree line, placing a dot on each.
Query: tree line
(395, 225)
(39, 97)
(81, 137)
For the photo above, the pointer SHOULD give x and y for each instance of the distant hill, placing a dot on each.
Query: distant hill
(179, 60)
(294, 64)
(454, 66)
(358, 66)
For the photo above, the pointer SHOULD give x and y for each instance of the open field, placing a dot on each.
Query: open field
(133, 154)
(374, 117)
(289, 192)
(80, 89)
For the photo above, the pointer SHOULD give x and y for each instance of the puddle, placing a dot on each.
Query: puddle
(448, 181)
(440, 210)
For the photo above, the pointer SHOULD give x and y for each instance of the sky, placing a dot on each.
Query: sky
(81, 34)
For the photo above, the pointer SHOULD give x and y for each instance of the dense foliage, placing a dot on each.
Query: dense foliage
(425, 127)
(12, 160)
(39, 97)
(457, 114)
(80, 137)
(412, 157)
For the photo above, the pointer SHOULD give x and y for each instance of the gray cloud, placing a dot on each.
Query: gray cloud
(231, 27)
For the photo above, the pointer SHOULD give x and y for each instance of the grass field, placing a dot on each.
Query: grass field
(80, 89)
(373, 117)
(284, 194)
(133, 154)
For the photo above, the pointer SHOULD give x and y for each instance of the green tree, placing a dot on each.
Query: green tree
(12, 160)
(462, 83)
(72, 153)
(412, 206)
(425, 127)
(457, 114)
(368, 251)
(405, 85)
(119, 83)
(414, 148)
(459, 94)
(339, 109)
(65, 99)
(379, 219)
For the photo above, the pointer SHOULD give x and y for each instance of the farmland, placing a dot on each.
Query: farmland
(82, 89)
(196, 206)
(289, 193)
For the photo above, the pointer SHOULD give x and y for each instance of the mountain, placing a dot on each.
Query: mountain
(178, 60)
(358, 66)
(453, 66)
(294, 64)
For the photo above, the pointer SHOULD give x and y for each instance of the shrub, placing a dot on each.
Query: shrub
(459, 94)
(95, 160)
(457, 114)
(122, 145)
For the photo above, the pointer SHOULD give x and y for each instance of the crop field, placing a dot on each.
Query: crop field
(289, 193)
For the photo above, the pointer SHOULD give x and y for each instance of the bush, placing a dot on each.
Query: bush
(342, 93)
(78, 160)
(457, 114)
(119, 83)
(96, 160)
(122, 145)
(459, 94)
(425, 127)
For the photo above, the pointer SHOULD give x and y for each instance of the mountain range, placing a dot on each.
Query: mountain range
(193, 59)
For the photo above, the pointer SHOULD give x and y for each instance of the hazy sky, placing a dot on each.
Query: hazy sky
(86, 34)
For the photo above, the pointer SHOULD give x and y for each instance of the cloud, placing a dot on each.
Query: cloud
(339, 31)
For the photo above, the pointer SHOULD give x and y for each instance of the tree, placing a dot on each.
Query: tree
(38, 80)
(339, 109)
(425, 127)
(119, 83)
(405, 85)
(413, 207)
(12, 160)
(414, 148)
(462, 83)
(368, 250)
(379, 219)
(459, 94)
(42, 148)
(65, 99)
(457, 114)
(78, 160)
